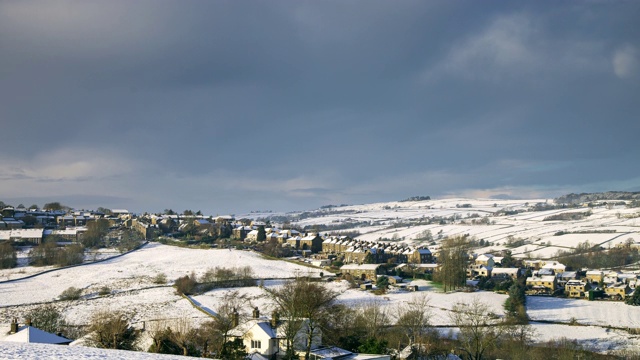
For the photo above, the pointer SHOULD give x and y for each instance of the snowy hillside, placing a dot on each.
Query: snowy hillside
(130, 278)
(493, 221)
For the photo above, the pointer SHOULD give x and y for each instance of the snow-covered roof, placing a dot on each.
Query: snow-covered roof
(554, 265)
(567, 275)
(29, 334)
(21, 233)
(360, 267)
(496, 271)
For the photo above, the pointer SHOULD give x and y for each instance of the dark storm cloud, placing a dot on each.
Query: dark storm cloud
(236, 105)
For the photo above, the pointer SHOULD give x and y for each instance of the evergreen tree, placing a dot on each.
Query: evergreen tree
(634, 299)
(515, 305)
(262, 235)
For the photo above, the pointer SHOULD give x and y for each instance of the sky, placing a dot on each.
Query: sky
(236, 106)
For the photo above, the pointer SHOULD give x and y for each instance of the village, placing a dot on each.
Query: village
(364, 260)
(380, 262)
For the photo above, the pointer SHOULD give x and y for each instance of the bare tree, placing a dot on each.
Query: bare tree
(48, 318)
(111, 330)
(453, 259)
(160, 334)
(479, 327)
(414, 319)
(182, 334)
(96, 231)
(373, 317)
(228, 315)
(517, 340)
(302, 303)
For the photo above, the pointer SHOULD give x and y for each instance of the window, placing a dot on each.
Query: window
(255, 344)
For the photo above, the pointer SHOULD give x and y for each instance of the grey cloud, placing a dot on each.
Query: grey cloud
(362, 95)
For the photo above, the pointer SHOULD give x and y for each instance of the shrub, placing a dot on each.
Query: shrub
(186, 285)
(111, 331)
(8, 257)
(47, 318)
(160, 279)
(71, 293)
(104, 291)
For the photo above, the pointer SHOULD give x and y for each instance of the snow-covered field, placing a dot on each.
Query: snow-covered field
(407, 220)
(132, 289)
(20, 351)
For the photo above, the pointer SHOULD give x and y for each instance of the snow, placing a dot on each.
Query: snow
(135, 270)
(602, 313)
(130, 277)
(20, 351)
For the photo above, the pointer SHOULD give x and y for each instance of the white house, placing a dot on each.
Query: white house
(266, 337)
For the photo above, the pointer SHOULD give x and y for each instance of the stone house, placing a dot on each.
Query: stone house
(361, 272)
(486, 260)
(541, 285)
(577, 288)
(512, 273)
(594, 276)
(311, 242)
(420, 256)
(475, 270)
(617, 291)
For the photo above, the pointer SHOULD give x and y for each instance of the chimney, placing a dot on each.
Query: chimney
(256, 313)
(27, 321)
(274, 319)
(235, 318)
(14, 326)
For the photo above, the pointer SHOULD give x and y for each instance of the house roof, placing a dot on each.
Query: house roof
(553, 265)
(29, 334)
(567, 275)
(256, 356)
(360, 267)
(259, 324)
(505, 270)
(21, 233)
